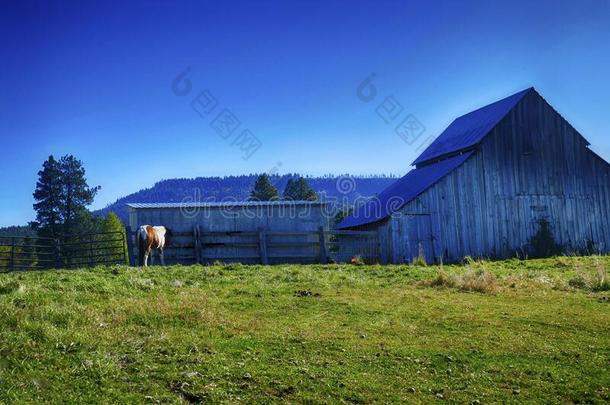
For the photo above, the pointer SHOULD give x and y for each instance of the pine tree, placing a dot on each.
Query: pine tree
(76, 195)
(264, 190)
(48, 197)
(291, 192)
(62, 195)
(299, 190)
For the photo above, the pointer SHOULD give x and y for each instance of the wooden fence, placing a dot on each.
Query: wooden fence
(266, 247)
(261, 247)
(71, 251)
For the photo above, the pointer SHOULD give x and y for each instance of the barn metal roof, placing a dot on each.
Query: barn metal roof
(402, 192)
(470, 129)
(221, 204)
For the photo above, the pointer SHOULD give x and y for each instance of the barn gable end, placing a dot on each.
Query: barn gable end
(531, 166)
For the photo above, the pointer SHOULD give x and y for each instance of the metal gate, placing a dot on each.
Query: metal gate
(19, 253)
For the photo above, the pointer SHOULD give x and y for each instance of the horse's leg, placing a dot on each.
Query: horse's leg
(162, 256)
(145, 262)
(152, 257)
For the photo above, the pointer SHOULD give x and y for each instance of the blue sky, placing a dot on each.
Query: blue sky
(95, 80)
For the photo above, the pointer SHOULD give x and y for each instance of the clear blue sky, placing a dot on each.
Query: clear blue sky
(94, 80)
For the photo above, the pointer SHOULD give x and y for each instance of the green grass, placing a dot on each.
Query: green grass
(365, 334)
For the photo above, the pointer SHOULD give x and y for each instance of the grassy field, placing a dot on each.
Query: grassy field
(512, 331)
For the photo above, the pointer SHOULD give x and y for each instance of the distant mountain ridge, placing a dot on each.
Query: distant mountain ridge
(201, 189)
(18, 231)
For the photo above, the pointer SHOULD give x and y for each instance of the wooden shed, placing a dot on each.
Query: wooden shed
(494, 184)
(237, 231)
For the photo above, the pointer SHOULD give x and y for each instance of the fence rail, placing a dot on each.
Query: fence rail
(267, 247)
(68, 251)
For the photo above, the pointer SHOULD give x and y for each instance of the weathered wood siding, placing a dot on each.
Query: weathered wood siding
(238, 218)
(533, 165)
(233, 232)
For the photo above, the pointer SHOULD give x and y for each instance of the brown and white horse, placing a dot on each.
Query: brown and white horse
(150, 238)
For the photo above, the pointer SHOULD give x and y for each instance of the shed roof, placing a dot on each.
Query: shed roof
(402, 192)
(470, 129)
(222, 204)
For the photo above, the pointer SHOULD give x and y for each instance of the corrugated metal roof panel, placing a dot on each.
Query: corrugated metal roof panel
(221, 204)
(402, 192)
(470, 129)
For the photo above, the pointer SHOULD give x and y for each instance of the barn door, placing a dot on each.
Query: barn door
(418, 237)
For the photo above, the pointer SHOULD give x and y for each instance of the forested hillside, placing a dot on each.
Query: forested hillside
(203, 189)
(17, 231)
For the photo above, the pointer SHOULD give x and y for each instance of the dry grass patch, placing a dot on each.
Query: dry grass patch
(481, 281)
(472, 280)
(596, 281)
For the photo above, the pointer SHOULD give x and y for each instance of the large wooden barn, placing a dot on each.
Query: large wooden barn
(496, 183)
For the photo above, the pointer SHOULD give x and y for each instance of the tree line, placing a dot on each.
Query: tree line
(297, 189)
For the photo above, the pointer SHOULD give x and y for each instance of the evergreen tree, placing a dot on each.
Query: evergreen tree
(299, 190)
(62, 195)
(76, 195)
(264, 190)
(48, 197)
(290, 190)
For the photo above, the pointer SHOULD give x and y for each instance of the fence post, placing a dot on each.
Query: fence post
(262, 245)
(57, 246)
(130, 237)
(125, 252)
(322, 239)
(196, 244)
(12, 265)
(90, 250)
